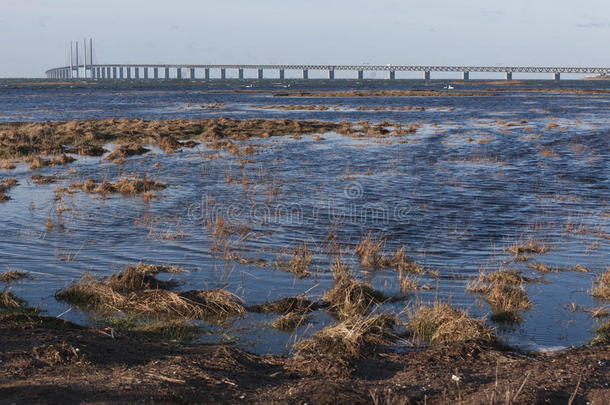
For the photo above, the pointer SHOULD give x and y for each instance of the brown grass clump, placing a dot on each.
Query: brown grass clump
(503, 291)
(128, 186)
(602, 289)
(442, 323)
(40, 179)
(289, 321)
(504, 276)
(131, 295)
(10, 276)
(6, 185)
(298, 264)
(216, 303)
(349, 338)
(369, 251)
(530, 246)
(91, 293)
(285, 306)
(126, 150)
(37, 162)
(602, 334)
(7, 164)
(506, 301)
(349, 297)
(9, 301)
(401, 263)
(135, 279)
(27, 140)
(135, 291)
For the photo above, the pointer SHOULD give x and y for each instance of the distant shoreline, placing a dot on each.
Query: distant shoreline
(598, 77)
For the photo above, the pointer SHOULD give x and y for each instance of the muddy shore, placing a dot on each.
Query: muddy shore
(46, 360)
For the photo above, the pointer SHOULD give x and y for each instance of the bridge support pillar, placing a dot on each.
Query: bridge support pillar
(206, 73)
(223, 74)
(240, 74)
(137, 72)
(556, 76)
(156, 73)
(305, 74)
(426, 75)
(121, 72)
(260, 74)
(192, 73)
(103, 73)
(360, 75)
(391, 75)
(166, 73)
(281, 74)
(465, 75)
(509, 76)
(331, 74)
(178, 73)
(114, 68)
(97, 74)
(145, 73)
(128, 73)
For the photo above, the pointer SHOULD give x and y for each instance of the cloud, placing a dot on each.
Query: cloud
(601, 24)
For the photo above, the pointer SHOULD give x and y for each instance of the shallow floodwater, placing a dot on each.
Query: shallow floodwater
(480, 174)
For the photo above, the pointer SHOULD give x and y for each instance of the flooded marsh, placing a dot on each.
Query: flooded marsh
(364, 222)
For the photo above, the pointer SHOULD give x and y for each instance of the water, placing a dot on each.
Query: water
(456, 194)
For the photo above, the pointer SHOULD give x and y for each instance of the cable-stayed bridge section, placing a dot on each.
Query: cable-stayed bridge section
(120, 71)
(86, 69)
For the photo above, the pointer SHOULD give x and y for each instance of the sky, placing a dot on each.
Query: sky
(35, 35)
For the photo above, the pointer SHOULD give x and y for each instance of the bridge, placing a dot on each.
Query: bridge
(86, 69)
(163, 71)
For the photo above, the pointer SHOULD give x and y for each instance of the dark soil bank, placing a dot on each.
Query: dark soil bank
(45, 360)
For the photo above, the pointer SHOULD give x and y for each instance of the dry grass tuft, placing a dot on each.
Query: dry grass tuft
(503, 276)
(299, 261)
(602, 288)
(40, 179)
(289, 321)
(6, 185)
(349, 338)
(602, 334)
(442, 323)
(506, 302)
(349, 297)
(37, 162)
(135, 291)
(128, 186)
(530, 246)
(136, 278)
(401, 263)
(7, 164)
(126, 150)
(285, 306)
(9, 301)
(369, 251)
(216, 303)
(13, 275)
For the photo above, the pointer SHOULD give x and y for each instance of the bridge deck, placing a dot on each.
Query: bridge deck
(60, 71)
